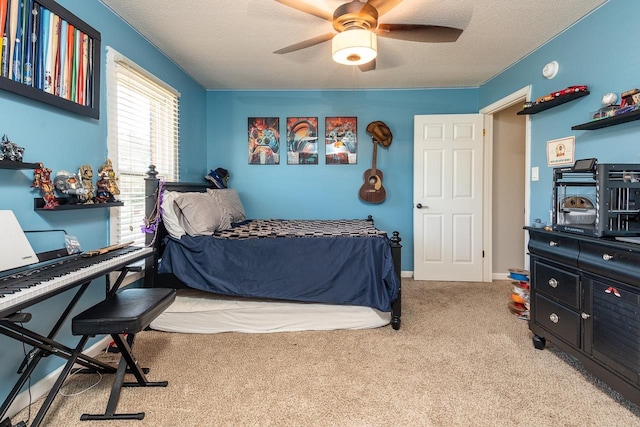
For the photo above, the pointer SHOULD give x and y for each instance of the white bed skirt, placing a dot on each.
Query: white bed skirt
(202, 312)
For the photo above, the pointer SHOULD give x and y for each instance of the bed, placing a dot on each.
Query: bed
(286, 267)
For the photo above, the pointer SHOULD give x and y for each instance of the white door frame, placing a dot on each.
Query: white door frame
(518, 96)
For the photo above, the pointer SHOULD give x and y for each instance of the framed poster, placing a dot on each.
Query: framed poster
(264, 140)
(341, 140)
(560, 151)
(302, 140)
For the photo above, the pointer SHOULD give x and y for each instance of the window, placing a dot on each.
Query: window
(143, 130)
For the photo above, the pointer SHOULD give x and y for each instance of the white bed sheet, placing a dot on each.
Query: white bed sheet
(202, 312)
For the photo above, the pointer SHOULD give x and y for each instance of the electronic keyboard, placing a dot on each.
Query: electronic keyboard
(19, 290)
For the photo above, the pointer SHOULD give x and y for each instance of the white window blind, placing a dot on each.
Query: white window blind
(143, 130)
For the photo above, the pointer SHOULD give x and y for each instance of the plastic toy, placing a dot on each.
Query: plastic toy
(70, 185)
(86, 175)
(571, 89)
(106, 173)
(42, 180)
(10, 150)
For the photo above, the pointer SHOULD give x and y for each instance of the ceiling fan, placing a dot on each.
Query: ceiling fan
(357, 25)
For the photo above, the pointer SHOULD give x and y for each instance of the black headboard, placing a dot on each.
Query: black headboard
(155, 240)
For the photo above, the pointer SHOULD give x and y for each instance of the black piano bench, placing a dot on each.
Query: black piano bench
(128, 311)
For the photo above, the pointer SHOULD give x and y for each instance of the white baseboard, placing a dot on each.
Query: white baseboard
(495, 276)
(43, 386)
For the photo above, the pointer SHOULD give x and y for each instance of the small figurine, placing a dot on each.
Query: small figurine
(86, 175)
(70, 185)
(42, 180)
(103, 193)
(10, 150)
(106, 172)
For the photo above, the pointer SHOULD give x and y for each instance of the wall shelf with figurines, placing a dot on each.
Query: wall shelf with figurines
(64, 204)
(69, 191)
(611, 114)
(8, 164)
(11, 156)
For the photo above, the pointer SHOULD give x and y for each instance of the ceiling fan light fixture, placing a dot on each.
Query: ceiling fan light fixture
(354, 47)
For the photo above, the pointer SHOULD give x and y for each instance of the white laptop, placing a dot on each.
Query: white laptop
(15, 249)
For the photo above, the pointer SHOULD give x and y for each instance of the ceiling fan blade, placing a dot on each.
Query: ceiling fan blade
(307, 8)
(384, 6)
(369, 66)
(305, 44)
(419, 33)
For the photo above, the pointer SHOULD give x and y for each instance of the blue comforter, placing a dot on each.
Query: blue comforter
(334, 270)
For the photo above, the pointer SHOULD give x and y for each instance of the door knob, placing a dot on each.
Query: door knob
(419, 206)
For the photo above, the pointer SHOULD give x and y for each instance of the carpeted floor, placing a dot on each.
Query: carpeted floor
(460, 359)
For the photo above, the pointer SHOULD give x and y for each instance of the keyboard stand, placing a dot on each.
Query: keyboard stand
(47, 345)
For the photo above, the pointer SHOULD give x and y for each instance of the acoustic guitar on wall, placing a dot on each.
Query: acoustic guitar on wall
(372, 190)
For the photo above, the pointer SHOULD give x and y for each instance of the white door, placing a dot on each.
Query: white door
(447, 192)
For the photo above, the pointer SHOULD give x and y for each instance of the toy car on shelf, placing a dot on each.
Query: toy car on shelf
(627, 109)
(544, 98)
(570, 89)
(559, 93)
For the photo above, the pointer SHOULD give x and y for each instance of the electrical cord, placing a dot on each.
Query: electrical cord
(61, 393)
(24, 351)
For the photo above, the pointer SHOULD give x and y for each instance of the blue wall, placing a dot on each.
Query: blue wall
(328, 191)
(599, 51)
(63, 140)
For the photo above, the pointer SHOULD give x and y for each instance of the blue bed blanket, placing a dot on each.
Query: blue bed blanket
(323, 269)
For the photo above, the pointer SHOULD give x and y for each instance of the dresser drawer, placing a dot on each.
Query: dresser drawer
(555, 246)
(557, 283)
(611, 262)
(557, 319)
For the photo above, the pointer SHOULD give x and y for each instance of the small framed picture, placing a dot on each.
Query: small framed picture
(561, 151)
(302, 140)
(341, 140)
(264, 140)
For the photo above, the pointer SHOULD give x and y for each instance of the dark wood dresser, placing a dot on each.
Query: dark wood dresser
(585, 298)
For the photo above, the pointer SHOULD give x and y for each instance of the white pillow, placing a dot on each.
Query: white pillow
(229, 203)
(169, 216)
(198, 214)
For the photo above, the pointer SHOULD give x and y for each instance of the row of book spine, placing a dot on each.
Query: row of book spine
(44, 51)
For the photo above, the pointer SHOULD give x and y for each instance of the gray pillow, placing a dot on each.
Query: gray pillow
(198, 214)
(169, 216)
(228, 201)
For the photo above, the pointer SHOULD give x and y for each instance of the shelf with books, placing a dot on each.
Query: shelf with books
(60, 62)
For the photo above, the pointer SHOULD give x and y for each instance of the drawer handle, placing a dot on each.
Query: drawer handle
(607, 257)
(553, 283)
(552, 243)
(554, 318)
(585, 316)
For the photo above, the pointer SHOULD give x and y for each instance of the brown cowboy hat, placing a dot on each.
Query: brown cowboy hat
(380, 132)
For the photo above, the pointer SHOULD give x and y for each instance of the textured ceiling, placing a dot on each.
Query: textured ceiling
(227, 44)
